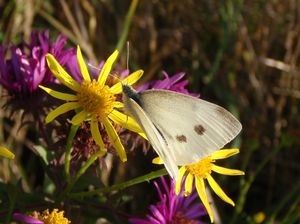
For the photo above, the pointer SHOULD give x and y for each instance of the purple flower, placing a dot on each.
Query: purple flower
(173, 83)
(26, 69)
(172, 208)
(23, 68)
(26, 219)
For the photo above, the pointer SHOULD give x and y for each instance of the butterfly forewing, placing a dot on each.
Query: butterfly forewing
(154, 136)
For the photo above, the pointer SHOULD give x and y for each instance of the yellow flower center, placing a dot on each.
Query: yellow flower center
(54, 217)
(96, 99)
(201, 168)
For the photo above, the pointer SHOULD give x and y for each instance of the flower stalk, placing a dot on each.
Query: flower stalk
(127, 23)
(121, 186)
(72, 133)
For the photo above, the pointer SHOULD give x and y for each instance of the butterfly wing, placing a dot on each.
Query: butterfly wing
(154, 136)
(192, 128)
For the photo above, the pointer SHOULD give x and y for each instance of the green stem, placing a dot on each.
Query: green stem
(12, 194)
(59, 26)
(293, 195)
(82, 170)
(70, 138)
(121, 186)
(246, 185)
(293, 215)
(23, 175)
(127, 23)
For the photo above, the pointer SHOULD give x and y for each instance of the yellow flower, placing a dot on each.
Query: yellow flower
(6, 153)
(54, 217)
(93, 100)
(202, 170)
(259, 217)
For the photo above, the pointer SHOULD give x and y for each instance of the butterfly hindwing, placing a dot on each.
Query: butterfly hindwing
(193, 128)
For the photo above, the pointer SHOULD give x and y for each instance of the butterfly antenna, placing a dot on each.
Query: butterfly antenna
(98, 69)
(93, 66)
(127, 55)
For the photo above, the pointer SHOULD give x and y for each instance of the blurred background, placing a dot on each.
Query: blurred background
(243, 55)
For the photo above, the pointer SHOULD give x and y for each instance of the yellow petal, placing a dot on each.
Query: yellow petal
(61, 74)
(61, 110)
(129, 80)
(157, 160)
(202, 194)
(79, 117)
(118, 104)
(127, 122)
(96, 133)
(113, 136)
(179, 180)
(83, 69)
(6, 153)
(226, 171)
(59, 95)
(107, 67)
(124, 121)
(224, 153)
(142, 134)
(218, 190)
(188, 184)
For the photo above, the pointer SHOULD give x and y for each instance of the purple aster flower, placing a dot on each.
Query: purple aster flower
(26, 219)
(27, 69)
(23, 68)
(172, 208)
(173, 83)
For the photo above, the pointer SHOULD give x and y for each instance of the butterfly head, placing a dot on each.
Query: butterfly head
(130, 93)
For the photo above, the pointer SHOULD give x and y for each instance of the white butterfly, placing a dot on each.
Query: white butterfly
(182, 129)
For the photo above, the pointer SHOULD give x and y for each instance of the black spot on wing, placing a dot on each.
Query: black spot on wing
(181, 138)
(199, 129)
